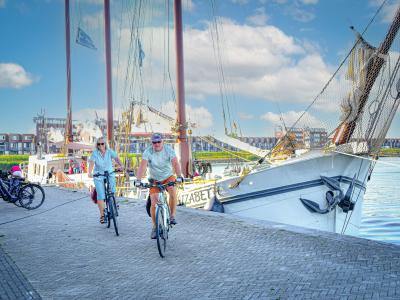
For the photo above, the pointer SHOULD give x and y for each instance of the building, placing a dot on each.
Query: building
(16, 143)
(305, 137)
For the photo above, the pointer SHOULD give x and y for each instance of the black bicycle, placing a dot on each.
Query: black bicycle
(111, 208)
(21, 193)
(162, 214)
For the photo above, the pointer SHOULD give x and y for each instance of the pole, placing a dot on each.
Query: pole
(110, 121)
(180, 105)
(68, 128)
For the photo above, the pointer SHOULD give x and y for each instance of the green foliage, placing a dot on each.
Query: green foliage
(7, 161)
(390, 152)
(223, 155)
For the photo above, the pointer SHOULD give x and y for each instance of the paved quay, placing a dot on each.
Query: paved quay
(60, 251)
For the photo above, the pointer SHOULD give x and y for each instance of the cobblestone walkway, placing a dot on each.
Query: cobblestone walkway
(66, 254)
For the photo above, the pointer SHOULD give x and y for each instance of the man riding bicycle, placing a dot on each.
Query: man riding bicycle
(161, 162)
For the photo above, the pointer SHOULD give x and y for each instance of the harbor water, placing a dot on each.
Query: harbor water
(381, 210)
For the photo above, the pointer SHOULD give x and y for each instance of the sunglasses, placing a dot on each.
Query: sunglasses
(159, 142)
(100, 144)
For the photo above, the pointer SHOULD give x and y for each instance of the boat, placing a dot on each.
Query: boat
(322, 186)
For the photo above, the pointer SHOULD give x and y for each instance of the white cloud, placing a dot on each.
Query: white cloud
(299, 14)
(2, 3)
(200, 116)
(245, 116)
(188, 5)
(307, 2)
(388, 10)
(14, 76)
(89, 114)
(240, 2)
(291, 117)
(259, 18)
(260, 62)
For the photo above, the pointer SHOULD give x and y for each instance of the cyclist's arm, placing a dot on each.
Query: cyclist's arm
(142, 169)
(118, 161)
(91, 166)
(177, 167)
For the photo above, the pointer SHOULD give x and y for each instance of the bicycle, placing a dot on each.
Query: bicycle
(162, 214)
(111, 208)
(20, 193)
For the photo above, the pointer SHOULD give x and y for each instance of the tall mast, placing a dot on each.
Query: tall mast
(375, 69)
(68, 129)
(180, 105)
(110, 122)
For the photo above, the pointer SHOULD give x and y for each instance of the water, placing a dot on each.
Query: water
(381, 210)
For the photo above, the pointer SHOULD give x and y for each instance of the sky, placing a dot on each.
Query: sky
(266, 59)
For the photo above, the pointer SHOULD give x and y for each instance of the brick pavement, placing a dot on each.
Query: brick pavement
(66, 254)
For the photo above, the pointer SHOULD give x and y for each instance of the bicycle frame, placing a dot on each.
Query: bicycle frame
(110, 205)
(5, 193)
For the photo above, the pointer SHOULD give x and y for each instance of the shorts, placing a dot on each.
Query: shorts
(155, 190)
(99, 183)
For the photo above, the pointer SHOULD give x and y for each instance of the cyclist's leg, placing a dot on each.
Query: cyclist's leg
(154, 200)
(100, 196)
(172, 200)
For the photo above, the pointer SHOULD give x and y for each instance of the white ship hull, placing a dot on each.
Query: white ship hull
(274, 193)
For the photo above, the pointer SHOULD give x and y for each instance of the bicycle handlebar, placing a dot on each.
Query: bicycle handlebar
(104, 174)
(159, 185)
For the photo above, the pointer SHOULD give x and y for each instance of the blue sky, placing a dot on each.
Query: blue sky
(276, 56)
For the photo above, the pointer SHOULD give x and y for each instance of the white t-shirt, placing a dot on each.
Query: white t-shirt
(159, 162)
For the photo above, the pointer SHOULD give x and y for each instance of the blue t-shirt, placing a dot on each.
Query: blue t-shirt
(159, 162)
(103, 163)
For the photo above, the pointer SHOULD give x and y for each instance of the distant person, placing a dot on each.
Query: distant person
(162, 163)
(83, 166)
(51, 175)
(16, 171)
(101, 161)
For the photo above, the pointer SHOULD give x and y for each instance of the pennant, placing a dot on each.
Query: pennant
(82, 38)
(141, 54)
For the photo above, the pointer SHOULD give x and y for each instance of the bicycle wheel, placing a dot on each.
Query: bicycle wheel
(113, 213)
(107, 212)
(31, 196)
(161, 231)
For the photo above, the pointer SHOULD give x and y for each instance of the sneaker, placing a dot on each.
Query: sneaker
(173, 221)
(153, 235)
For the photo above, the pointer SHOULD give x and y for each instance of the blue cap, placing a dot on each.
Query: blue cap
(156, 137)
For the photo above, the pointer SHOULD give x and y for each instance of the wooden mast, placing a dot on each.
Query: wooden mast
(344, 132)
(180, 104)
(68, 129)
(110, 122)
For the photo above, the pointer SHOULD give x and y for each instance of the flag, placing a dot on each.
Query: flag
(83, 39)
(141, 54)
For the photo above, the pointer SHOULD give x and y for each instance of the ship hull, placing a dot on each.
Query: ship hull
(274, 193)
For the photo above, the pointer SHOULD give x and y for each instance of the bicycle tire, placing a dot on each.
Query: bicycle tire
(31, 196)
(107, 209)
(113, 214)
(161, 232)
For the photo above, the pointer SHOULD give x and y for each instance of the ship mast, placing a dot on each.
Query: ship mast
(375, 69)
(180, 104)
(110, 122)
(68, 129)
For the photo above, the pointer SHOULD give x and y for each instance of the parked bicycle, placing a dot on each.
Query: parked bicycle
(111, 208)
(163, 224)
(15, 190)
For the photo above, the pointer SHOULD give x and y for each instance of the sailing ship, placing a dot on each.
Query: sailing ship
(320, 187)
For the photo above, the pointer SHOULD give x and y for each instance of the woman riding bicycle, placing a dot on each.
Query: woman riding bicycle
(162, 162)
(100, 161)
